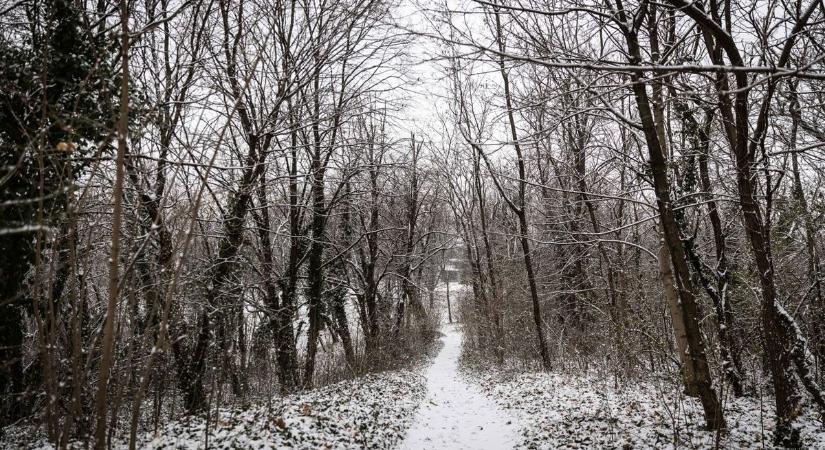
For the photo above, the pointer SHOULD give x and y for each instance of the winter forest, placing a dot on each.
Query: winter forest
(417, 224)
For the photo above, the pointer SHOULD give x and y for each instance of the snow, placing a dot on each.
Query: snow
(455, 406)
(370, 412)
(566, 411)
(456, 414)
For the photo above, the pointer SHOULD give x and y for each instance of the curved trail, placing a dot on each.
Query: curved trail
(456, 415)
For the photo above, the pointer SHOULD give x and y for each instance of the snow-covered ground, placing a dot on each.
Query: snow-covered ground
(559, 411)
(371, 412)
(451, 407)
(455, 413)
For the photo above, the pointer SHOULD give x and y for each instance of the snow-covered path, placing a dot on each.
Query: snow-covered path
(456, 415)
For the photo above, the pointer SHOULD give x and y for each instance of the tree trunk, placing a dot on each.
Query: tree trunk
(408, 288)
(684, 287)
(687, 369)
(785, 347)
(494, 302)
(278, 321)
(700, 138)
(107, 351)
(811, 230)
(315, 269)
(520, 208)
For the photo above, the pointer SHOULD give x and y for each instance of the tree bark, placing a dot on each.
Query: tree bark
(686, 293)
(520, 208)
(107, 351)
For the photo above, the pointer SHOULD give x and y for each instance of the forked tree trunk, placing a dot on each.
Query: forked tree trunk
(688, 305)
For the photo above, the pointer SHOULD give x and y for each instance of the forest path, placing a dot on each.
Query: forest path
(457, 415)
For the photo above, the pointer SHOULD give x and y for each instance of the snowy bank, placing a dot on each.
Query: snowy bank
(370, 412)
(559, 411)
